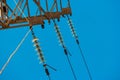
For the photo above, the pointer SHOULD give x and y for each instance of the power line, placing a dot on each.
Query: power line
(14, 52)
(78, 43)
(48, 16)
(64, 47)
(85, 63)
(71, 67)
(19, 45)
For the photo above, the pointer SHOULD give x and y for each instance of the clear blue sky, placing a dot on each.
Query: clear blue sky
(97, 23)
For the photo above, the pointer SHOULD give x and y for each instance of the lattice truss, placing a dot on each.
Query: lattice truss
(20, 16)
(10, 16)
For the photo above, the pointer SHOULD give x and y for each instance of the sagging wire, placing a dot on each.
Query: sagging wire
(78, 43)
(66, 51)
(14, 52)
(40, 54)
(19, 45)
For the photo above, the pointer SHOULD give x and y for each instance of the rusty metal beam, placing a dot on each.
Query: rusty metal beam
(35, 20)
(2, 24)
(45, 14)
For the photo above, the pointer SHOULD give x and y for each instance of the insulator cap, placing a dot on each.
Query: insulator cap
(35, 39)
